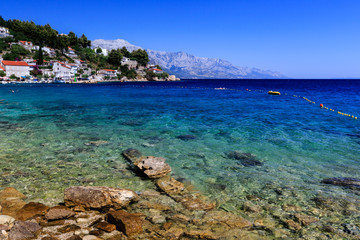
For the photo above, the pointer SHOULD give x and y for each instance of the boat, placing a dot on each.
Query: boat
(274, 93)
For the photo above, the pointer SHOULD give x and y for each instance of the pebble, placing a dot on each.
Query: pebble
(6, 220)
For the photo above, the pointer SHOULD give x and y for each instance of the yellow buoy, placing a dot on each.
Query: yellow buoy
(273, 93)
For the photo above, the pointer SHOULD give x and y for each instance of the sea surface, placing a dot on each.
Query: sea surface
(57, 135)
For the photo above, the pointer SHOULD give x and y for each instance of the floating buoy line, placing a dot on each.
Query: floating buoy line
(249, 90)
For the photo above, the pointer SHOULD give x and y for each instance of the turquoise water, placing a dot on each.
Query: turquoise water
(55, 136)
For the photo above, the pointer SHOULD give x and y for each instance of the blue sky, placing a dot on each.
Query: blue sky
(299, 38)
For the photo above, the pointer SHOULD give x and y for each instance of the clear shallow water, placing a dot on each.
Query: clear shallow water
(47, 131)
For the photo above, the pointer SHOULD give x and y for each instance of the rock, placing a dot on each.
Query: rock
(31, 210)
(293, 225)
(24, 230)
(5, 227)
(75, 237)
(180, 218)
(6, 220)
(107, 227)
(128, 223)
(52, 223)
(201, 234)
(153, 167)
(171, 186)
(69, 228)
(50, 238)
(229, 219)
(305, 219)
(99, 197)
(246, 159)
(132, 154)
(250, 207)
(352, 183)
(186, 137)
(12, 206)
(196, 202)
(91, 237)
(158, 219)
(96, 143)
(59, 212)
(83, 220)
(351, 229)
(11, 193)
(174, 233)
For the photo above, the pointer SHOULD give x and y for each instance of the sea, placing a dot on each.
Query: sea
(58, 135)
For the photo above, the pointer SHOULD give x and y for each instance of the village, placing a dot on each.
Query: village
(72, 70)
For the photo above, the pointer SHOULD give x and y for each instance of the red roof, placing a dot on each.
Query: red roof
(1, 68)
(15, 63)
(24, 42)
(155, 69)
(109, 70)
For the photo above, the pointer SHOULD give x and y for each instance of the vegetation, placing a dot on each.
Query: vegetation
(17, 52)
(2, 74)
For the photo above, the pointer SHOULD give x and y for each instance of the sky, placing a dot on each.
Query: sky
(299, 38)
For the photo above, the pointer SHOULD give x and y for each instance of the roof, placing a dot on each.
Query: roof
(15, 63)
(109, 70)
(155, 69)
(24, 42)
(1, 68)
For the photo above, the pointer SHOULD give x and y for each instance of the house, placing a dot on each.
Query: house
(50, 51)
(131, 64)
(4, 32)
(18, 68)
(62, 70)
(27, 45)
(70, 52)
(108, 73)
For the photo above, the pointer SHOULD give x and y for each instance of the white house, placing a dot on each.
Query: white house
(71, 52)
(130, 63)
(18, 68)
(4, 32)
(27, 45)
(62, 70)
(107, 73)
(155, 70)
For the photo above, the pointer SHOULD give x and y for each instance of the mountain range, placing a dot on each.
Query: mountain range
(185, 65)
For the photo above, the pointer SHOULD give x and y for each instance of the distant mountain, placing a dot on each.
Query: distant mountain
(185, 65)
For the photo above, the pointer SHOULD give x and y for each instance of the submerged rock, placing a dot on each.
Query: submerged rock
(128, 223)
(352, 183)
(171, 186)
(31, 210)
(186, 137)
(153, 167)
(99, 197)
(24, 230)
(246, 159)
(11, 193)
(132, 154)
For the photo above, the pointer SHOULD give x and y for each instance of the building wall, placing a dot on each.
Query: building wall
(17, 71)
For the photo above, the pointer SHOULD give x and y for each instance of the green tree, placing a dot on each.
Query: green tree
(115, 57)
(2, 74)
(140, 56)
(125, 52)
(13, 76)
(98, 50)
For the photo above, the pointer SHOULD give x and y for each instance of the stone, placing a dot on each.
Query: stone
(6, 220)
(353, 183)
(186, 137)
(158, 219)
(24, 230)
(194, 202)
(174, 233)
(69, 228)
(128, 223)
(12, 206)
(107, 227)
(31, 210)
(74, 237)
(52, 223)
(96, 143)
(291, 224)
(83, 220)
(180, 218)
(201, 234)
(132, 154)
(91, 237)
(11, 193)
(305, 219)
(99, 197)
(171, 186)
(4, 227)
(229, 219)
(59, 212)
(246, 159)
(50, 238)
(153, 167)
(351, 229)
(252, 208)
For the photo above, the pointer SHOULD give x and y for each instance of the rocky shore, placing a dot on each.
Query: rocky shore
(174, 211)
